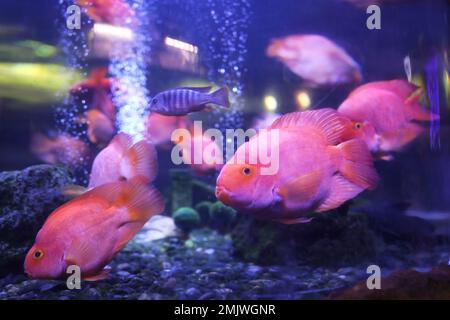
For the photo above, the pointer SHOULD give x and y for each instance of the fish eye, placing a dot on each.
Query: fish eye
(246, 171)
(155, 101)
(358, 125)
(38, 254)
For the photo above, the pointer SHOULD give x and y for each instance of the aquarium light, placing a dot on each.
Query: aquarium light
(303, 100)
(270, 103)
(180, 45)
(117, 33)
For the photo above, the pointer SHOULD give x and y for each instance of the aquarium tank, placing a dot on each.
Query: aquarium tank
(224, 150)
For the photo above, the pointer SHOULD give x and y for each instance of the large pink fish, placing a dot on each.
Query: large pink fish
(91, 229)
(316, 59)
(384, 114)
(318, 171)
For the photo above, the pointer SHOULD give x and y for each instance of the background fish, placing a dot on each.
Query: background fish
(62, 149)
(181, 101)
(159, 128)
(316, 59)
(317, 170)
(100, 129)
(384, 114)
(115, 12)
(123, 160)
(89, 230)
(99, 86)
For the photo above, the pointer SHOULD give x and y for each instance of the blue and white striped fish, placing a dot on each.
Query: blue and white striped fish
(181, 101)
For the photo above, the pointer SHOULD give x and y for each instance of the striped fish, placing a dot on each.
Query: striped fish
(181, 101)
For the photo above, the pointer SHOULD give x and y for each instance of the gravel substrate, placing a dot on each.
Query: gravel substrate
(201, 267)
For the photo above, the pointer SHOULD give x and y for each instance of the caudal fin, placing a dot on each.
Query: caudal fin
(220, 97)
(357, 165)
(140, 161)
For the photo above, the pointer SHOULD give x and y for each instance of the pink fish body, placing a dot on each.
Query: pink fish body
(317, 170)
(123, 160)
(201, 147)
(89, 230)
(385, 113)
(316, 59)
(159, 128)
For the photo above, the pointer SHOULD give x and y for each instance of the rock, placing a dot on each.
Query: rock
(186, 219)
(158, 227)
(329, 239)
(204, 210)
(404, 284)
(27, 197)
(222, 216)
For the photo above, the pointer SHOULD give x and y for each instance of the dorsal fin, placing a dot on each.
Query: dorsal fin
(198, 89)
(333, 125)
(122, 141)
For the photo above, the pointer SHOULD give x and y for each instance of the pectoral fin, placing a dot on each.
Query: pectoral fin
(300, 190)
(103, 274)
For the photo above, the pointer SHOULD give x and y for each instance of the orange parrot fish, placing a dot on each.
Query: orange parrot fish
(317, 169)
(159, 128)
(384, 114)
(115, 12)
(100, 86)
(62, 149)
(91, 229)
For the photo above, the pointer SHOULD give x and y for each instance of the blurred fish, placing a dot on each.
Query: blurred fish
(123, 160)
(265, 120)
(100, 129)
(201, 146)
(159, 128)
(316, 59)
(62, 149)
(181, 101)
(383, 114)
(100, 86)
(317, 170)
(115, 12)
(90, 230)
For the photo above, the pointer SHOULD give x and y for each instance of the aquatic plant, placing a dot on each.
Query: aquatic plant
(186, 219)
(204, 210)
(222, 216)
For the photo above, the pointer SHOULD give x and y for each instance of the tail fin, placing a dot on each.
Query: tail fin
(140, 161)
(220, 97)
(141, 200)
(357, 165)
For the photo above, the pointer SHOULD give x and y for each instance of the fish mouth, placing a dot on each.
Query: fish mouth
(225, 196)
